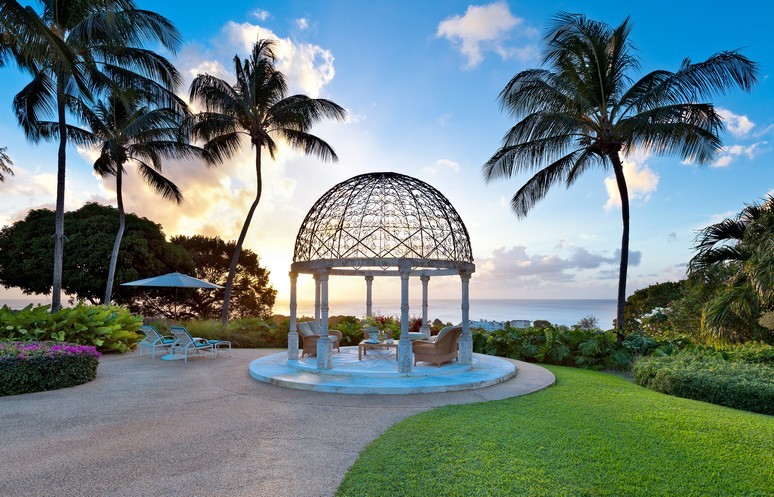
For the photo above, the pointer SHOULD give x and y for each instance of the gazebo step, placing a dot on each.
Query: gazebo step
(488, 370)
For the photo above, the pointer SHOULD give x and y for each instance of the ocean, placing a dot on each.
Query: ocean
(564, 311)
(556, 311)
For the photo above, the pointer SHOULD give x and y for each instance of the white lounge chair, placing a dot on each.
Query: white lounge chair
(186, 343)
(154, 339)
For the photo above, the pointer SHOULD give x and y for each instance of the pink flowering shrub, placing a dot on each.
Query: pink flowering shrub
(36, 366)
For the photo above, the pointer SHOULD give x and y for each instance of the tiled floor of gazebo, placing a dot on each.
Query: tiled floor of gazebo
(377, 373)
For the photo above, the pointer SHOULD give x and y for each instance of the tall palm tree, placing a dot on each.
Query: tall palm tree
(256, 107)
(131, 128)
(5, 164)
(107, 36)
(585, 110)
(743, 247)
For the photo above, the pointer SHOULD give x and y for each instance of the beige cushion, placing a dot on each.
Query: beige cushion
(443, 332)
(304, 329)
(315, 327)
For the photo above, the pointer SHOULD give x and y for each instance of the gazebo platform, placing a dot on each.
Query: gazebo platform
(377, 374)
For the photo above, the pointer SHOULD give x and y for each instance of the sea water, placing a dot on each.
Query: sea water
(557, 311)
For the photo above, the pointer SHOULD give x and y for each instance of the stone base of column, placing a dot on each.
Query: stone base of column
(293, 346)
(405, 355)
(324, 353)
(465, 349)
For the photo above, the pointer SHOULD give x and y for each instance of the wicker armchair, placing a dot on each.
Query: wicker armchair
(442, 349)
(310, 332)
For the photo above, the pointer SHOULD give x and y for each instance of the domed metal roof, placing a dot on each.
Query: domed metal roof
(383, 220)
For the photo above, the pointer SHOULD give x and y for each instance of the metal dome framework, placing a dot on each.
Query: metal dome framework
(381, 224)
(376, 222)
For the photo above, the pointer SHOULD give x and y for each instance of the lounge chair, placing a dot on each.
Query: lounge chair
(186, 343)
(442, 349)
(154, 339)
(310, 332)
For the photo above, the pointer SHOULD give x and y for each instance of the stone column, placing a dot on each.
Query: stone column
(425, 328)
(317, 297)
(324, 349)
(293, 333)
(466, 339)
(369, 302)
(405, 352)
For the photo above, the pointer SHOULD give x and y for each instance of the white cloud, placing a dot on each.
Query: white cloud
(737, 125)
(307, 67)
(442, 165)
(641, 181)
(731, 153)
(485, 28)
(302, 23)
(515, 266)
(261, 14)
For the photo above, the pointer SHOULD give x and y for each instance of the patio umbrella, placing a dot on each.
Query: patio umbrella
(173, 280)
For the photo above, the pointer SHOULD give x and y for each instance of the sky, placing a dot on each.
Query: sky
(420, 82)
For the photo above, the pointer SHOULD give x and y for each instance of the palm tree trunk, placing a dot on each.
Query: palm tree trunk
(242, 235)
(624, 192)
(56, 289)
(119, 236)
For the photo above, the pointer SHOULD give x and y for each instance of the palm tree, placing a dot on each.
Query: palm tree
(103, 34)
(5, 164)
(130, 128)
(585, 111)
(742, 248)
(256, 106)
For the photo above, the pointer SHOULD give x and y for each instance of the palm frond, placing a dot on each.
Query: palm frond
(537, 187)
(5, 164)
(301, 112)
(159, 183)
(36, 99)
(222, 147)
(310, 144)
(688, 130)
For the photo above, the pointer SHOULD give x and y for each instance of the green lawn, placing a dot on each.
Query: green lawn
(590, 434)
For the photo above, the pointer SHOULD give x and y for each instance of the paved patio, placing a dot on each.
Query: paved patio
(147, 427)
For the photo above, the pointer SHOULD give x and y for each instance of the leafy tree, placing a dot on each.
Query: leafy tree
(5, 164)
(73, 48)
(253, 296)
(646, 299)
(26, 247)
(742, 249)
(133, 126)
(256, 106)
(585, 111)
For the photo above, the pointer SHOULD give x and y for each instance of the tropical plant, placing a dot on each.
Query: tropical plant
(5, 164)
(75, 48)
(585, 111)
(135, 126)
(256, 106)
(110, 328)
(741, 248)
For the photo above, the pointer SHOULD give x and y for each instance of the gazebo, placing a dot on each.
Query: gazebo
(381, 224)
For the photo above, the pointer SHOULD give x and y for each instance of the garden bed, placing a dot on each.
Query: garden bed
(37, 366)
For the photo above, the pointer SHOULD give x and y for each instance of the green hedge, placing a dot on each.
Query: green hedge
(709, 378)
(37, 366)
(109, 328)
(593, 349)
